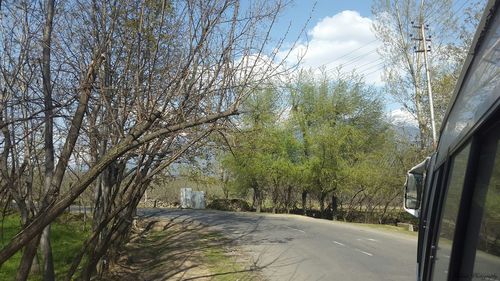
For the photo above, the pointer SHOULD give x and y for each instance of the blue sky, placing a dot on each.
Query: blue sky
(299, 11)
(337, 35)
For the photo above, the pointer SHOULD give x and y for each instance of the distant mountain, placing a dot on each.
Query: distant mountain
(404, 123)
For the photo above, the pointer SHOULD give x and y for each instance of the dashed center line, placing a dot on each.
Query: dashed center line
(366, 253)
(338, 243)
(355, 249)
(368, 239)
(296, 229)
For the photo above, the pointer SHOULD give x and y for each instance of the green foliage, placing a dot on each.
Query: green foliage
(339, 122)
(67, 239)
(334, 145)
(266, 153)
(333, 142)
(234, 205)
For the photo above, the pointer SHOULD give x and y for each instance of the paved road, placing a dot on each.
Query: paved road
(299, 248)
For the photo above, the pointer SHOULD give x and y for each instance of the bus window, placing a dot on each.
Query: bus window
(481, 259)
(449, 214)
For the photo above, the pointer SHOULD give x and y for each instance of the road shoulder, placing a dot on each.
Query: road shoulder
(175, 249)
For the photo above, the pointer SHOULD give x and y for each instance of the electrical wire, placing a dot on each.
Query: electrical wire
(353, 60)
(351, 52)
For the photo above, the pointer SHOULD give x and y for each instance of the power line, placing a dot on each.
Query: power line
(366, 72)
(436, 13)
(368, 63)
(461, 7)
(351, 52)
(353, 60)
(439, 20)
(376, 70)
(382, 63)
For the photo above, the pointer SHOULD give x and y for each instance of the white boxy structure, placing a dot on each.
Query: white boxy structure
(192, 199)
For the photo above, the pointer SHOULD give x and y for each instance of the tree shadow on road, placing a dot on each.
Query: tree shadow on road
(182, 249)
(270, 245)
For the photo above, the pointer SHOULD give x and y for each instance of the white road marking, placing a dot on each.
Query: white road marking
(369, 239)
(338, 243)
(366, 253)
(296, 229)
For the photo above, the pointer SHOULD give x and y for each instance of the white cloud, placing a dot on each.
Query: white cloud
(344, 40)
(259, 69)
(340, 27)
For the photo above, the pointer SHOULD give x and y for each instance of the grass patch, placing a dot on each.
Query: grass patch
(180, 250)
(390, 228)
(67, 236)
(222, 265)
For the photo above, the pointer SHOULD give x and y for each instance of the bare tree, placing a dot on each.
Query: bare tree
(127, 88)
(45, 245)
(396, 25)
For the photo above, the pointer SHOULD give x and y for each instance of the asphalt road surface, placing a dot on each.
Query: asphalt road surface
(297, 248)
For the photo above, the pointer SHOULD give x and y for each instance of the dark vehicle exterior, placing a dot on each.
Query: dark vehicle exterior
(456, 191)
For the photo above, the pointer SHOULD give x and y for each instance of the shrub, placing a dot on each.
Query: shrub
(235, 205)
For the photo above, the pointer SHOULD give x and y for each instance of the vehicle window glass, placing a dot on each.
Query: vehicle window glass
(429, 198)
(482, 245)
(429, 194)
(480, 89)
(449, 214)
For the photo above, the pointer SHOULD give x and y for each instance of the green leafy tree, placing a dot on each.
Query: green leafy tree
(336, 121)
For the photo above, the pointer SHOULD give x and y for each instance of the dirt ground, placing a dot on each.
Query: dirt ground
(180, 250)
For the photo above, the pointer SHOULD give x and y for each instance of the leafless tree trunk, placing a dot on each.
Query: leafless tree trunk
(45, 245)
(142, 88)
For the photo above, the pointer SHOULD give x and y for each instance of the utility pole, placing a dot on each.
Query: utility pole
(423, 48)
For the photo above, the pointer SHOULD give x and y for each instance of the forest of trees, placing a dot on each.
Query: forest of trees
(99, 98)
(323, 138)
